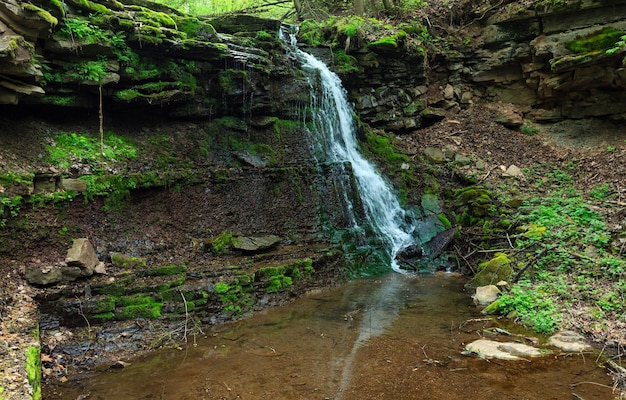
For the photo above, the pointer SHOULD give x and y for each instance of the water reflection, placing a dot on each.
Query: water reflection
(396, 337)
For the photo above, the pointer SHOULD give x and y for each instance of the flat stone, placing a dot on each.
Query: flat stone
(485, 348)
(43, 276)
(254, 243)
(569, 341)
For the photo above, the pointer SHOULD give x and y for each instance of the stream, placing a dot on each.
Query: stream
(394, 337)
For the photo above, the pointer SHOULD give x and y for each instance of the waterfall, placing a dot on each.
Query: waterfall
(334, 135)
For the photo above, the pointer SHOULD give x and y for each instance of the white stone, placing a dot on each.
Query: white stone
(569, 341)
(485, 348)
(486, 295)
(513, 171)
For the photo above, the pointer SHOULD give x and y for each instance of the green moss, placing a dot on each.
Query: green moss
(279, 278)
(306, 266)
(59, 100)
(388, 43)
(105, 305)
(103, 317)
(493, 271)
(221, 287)
(33, 371)
(222, 242)
(311, 33)
(58, 4)
(345, 63)
(149, 311)
(596, 42)
(237, 296)
(127, 261)
(137, 306)
(232, 81)
(90, 6)
(43, 14)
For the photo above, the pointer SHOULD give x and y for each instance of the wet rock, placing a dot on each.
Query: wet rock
(43, 276)
(569, 341)
(486, 295)
(485, 348)
(83, 256)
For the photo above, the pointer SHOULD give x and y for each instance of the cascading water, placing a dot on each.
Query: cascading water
(334, 131)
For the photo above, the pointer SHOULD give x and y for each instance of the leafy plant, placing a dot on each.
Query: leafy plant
(528, 128)
(534, 308)
(601, 192)
(94, 71)
(9, 208)
(77, 29)
(33, 371)
(620, 44)
(68, 148)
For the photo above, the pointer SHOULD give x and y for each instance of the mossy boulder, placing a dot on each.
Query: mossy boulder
(493, 271)
(474, 203)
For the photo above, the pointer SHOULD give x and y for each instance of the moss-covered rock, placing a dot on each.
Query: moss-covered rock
(493, 271)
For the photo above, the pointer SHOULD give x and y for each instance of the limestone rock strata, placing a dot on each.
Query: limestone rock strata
(552, 62)
(140, 56)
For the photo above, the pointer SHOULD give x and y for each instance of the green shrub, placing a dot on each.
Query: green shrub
(534, 308)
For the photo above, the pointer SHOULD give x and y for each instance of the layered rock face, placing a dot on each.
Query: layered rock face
(553, 60)
(140, 57)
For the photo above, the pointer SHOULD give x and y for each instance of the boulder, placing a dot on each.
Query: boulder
(493, 271)
(83, 256)
(486, 295)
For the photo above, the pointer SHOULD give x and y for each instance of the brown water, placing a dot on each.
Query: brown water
(396, 337)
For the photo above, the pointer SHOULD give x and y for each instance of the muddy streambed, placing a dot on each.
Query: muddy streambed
(394, 337)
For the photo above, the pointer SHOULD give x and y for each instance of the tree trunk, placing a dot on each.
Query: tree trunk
(298, 6)
(359, 8)
(387, 5)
